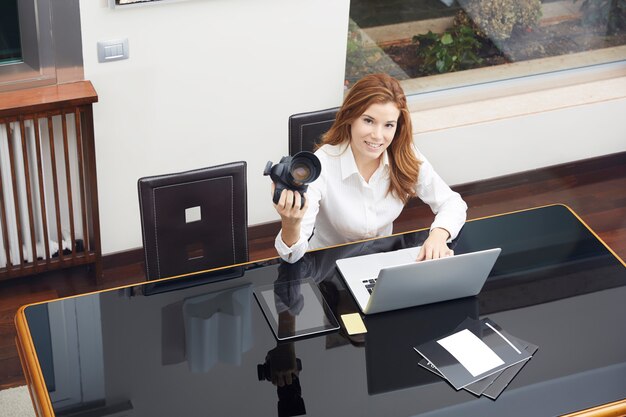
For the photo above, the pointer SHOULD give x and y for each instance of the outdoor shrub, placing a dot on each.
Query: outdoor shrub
(498, 18)
(454, 50)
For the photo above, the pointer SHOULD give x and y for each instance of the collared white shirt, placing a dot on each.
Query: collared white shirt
(343, 207)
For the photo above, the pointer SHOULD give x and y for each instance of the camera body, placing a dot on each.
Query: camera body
(293, 173)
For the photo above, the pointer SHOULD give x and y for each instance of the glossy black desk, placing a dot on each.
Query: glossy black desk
(191, 347)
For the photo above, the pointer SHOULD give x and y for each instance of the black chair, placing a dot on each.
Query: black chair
(194, 220)
(306, 129)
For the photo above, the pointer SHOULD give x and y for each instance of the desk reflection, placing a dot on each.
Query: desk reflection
(126, 351)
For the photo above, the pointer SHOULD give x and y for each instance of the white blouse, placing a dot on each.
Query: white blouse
(344, 208)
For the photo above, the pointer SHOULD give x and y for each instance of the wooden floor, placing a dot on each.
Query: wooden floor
(595, 189)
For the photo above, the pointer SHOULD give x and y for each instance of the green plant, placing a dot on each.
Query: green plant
(498, 18)
(454, 50)
(609, 13)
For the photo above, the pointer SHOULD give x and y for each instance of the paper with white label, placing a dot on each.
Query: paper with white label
(471, 352)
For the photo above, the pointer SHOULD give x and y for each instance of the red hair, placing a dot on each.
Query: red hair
(381, 89)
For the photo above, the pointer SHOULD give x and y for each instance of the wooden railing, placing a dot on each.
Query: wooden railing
(48, 190)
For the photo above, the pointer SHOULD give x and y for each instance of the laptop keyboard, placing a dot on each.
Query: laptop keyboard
(369, 284)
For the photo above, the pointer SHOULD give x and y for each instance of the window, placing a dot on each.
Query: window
(440, 44)
(27, 38)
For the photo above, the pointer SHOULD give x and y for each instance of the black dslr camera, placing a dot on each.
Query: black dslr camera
(293, 173)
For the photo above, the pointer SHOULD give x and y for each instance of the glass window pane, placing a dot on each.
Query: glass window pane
(431, 42)
(10, 47)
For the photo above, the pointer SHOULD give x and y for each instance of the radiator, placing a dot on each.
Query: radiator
(43, 206)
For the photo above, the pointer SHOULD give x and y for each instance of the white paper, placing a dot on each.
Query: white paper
(471, 352)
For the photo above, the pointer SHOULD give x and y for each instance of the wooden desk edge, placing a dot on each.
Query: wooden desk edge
(31, 368)
(616, 409)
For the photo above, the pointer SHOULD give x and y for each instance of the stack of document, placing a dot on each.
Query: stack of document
(478, 356)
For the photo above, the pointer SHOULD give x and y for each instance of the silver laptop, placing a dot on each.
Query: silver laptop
(394, 280)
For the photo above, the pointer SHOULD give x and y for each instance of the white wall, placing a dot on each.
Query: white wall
(207, 82)
(214, 81)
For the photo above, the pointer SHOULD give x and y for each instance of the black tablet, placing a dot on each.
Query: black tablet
(295, 309)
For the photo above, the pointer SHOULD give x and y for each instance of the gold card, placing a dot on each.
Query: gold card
(353, 323)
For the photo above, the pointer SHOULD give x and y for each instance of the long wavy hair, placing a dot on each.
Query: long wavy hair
(381, 89)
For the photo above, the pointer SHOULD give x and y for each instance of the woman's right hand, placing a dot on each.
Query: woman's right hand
(291, 214)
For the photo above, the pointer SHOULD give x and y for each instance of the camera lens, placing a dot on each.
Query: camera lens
(304, 168)
(300, 172)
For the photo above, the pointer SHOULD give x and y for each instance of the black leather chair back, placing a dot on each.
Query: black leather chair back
(194, 220)
(306, 129)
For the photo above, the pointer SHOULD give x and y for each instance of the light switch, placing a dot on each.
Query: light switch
(113, 50)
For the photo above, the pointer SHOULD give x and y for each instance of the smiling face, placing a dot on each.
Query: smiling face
(372, 133)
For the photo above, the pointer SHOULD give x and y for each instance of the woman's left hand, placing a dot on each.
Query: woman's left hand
(435, 246)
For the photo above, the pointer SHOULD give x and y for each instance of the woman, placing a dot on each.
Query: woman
(370, 169)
